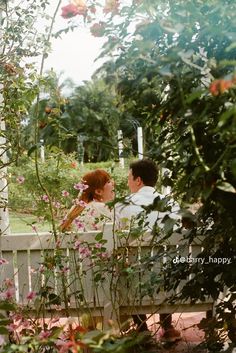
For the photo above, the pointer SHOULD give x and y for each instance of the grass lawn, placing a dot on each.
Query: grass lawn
(22, 223)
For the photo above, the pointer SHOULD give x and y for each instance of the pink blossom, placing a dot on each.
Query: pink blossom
(31, 295)
(80, 202)
(98, 246)
(26, 324)
(80, 186)
(44, 335)
(65, 193)
(41, 268)
(63, 346)
(69, 11)
(45, 198)
(103, 255)
(84, 251)
(79, 224)
(65, 269)
(8, 294)
(3, 261)
(35, 229)
(12, 327)
(95, 227)
(56, 204)
(20, 179)
(77, 244)
(91, 213)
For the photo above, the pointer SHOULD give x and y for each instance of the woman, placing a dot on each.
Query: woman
(90, 211)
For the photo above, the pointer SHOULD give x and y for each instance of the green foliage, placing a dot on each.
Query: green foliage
(176, 75)
(58, 173)
(88, 114)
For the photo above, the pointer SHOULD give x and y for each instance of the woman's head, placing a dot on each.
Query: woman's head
(100, 186)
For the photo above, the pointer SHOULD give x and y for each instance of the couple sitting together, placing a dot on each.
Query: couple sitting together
(91, 213)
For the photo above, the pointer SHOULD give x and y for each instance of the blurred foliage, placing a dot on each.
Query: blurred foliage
(175, 72)
(58, 173)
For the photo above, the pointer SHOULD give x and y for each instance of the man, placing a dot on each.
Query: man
(142, 179)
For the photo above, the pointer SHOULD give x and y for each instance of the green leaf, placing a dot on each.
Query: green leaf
(5, 322)
(99, 236)
(33, 148)
(227, 187)
(3, 330)
(7, 306)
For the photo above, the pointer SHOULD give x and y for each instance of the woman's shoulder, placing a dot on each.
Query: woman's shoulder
(98, 207)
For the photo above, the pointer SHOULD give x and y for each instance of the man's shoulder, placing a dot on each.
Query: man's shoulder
(145, 195)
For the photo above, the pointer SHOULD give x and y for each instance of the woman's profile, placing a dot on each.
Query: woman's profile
(90, 211)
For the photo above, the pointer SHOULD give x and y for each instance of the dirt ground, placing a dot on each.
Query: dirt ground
(186, 323)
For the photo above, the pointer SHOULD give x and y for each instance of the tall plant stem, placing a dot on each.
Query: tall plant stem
(36, 136)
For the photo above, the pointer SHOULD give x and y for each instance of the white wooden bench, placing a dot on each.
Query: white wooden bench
(60, 273)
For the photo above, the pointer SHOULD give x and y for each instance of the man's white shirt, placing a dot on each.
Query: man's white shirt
(132, 209)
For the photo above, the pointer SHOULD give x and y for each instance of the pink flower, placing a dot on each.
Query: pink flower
(31, 295)
(20, 179)
(80, 186)
(98, 246)
(12, 327)
(34, 228)
(3, 261)
(41, 268)
(65, 193)
(44, 335)
(84, 251)
(77, 244)
(26, 324)
(64, 346)
(56, 204)
(65, 269)
(69, 11)
(45, 198)
(79, 225)
(103, 255)
(8, 294)
(91, 213)
(80, 202)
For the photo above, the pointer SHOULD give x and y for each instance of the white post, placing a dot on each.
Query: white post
(4, 215)
(140, 142)
(120, 148)
(42, 151)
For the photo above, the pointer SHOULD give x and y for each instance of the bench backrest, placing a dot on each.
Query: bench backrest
(37, 263)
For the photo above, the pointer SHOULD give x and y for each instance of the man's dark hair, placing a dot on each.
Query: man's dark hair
(146, 170)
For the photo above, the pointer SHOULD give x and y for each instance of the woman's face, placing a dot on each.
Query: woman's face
(107, 193)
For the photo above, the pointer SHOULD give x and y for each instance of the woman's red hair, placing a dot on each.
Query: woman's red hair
(94, 180)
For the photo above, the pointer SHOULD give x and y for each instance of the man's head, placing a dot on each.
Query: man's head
(142, 173)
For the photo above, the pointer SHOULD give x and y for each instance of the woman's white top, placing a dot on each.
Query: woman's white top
(93, 217)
